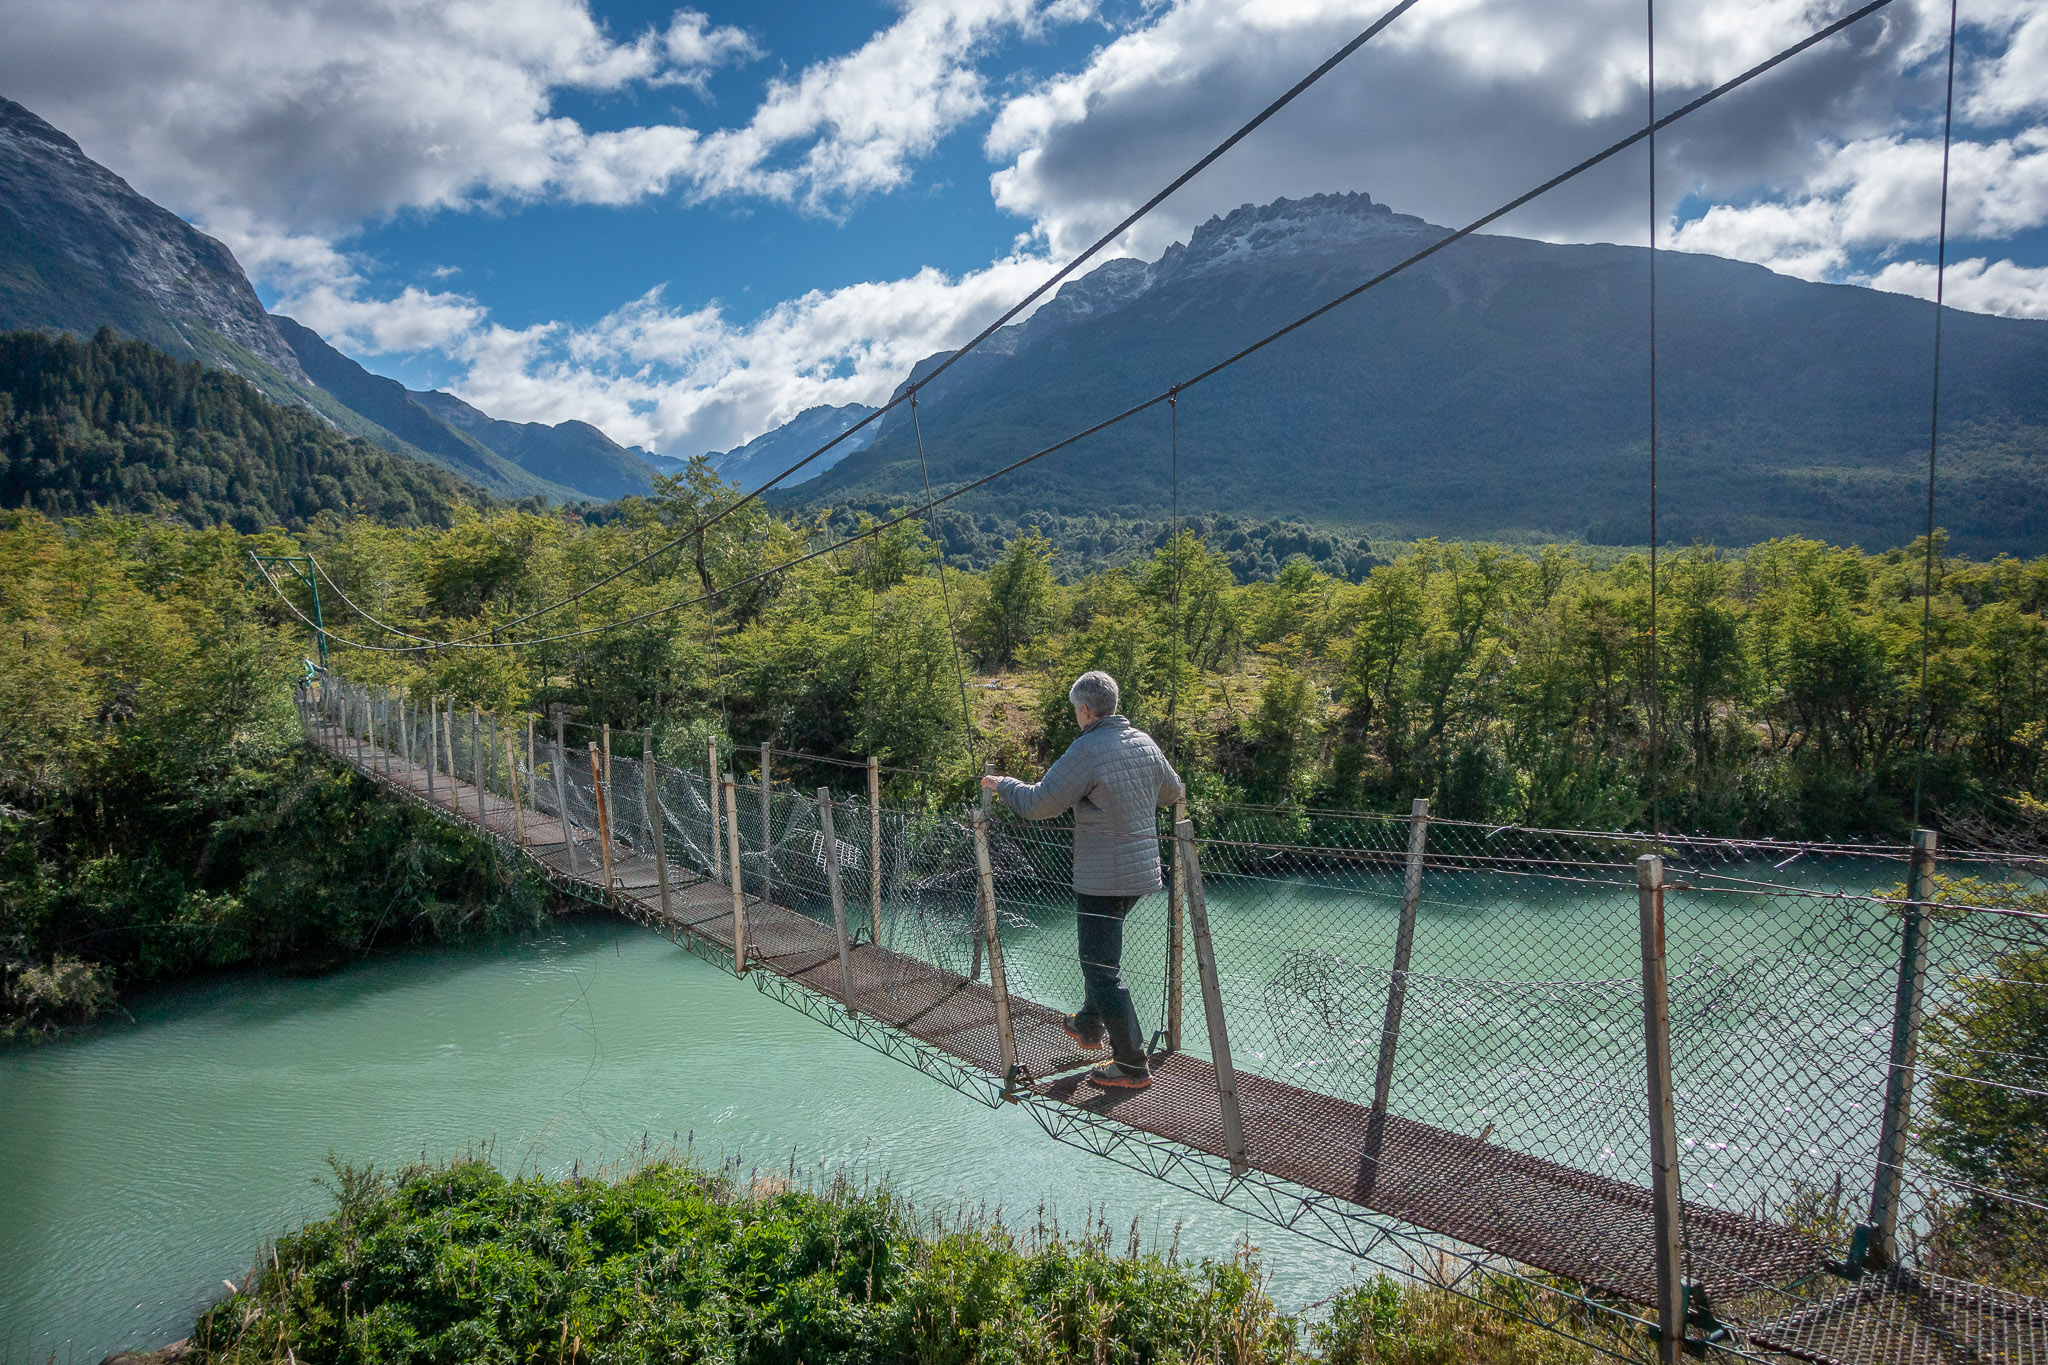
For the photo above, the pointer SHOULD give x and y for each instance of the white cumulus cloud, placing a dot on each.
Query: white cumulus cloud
(1880, 193)
(1977, 285)
(1453, 108)
(690, 380)
(322, 115)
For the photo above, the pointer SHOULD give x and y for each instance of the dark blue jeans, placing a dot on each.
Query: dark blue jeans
(1107, 1003)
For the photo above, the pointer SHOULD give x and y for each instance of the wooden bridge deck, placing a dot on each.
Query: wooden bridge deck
(1588, 1228)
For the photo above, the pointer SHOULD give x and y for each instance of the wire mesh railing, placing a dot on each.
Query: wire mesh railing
(1487, 1031)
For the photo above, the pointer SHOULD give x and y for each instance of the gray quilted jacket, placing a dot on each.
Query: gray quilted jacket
(1114, 778)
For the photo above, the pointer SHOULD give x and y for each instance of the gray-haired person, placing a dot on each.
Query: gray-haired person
(1114, 779)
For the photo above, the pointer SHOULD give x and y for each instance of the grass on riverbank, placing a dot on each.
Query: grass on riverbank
(459, 1262)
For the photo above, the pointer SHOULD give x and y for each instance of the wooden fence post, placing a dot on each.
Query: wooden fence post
(604, 771)
(1175, 898)
(604, 819)
(1882, 1247)
(767, 823)
(716, 792)
(998, 980)
(980, 927)
(1212, 1003)
(476, 767)
(560, 761)
(874, 850)
(838, 897)
(1397, 986)
(651, 781)
(512, 776)
(1664, 1189)
(739, 896)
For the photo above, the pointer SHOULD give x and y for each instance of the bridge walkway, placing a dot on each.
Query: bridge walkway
(1588, 1228)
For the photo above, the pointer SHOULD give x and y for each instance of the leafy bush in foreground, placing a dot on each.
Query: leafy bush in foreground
(672, 1262)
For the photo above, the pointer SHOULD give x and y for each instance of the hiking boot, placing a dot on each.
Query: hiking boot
(1117, 1076)
(1084, 1039)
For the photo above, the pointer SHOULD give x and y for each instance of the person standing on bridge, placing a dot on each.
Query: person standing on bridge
(1113, 778)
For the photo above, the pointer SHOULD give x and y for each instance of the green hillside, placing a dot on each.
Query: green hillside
(398, 422)
(120, 425)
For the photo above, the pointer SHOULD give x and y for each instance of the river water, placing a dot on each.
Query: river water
(143, 1163)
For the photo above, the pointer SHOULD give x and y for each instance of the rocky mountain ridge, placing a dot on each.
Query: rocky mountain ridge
(749, 466)
(80, 249)
(572, 452)
(1497, 390)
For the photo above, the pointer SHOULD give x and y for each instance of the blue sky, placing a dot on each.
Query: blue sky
(750, 254)
(687, 224)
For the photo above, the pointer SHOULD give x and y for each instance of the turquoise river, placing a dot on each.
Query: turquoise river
(143, 1162)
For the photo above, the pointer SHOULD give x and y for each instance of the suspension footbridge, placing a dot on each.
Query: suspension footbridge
(1345, 1071)
(1636, 1088)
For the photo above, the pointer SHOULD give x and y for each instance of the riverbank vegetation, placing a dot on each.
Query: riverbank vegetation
(158, 816)
(673, 1262)
(1985, 1052)
(1505, 684)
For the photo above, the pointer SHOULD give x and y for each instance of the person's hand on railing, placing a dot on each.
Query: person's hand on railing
(989, 782)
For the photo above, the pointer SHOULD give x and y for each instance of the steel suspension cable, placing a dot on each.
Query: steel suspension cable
(1656, 698)
(945, 593)
(1010, 314)
(328, 579)
(1934, 430)
(1179, 627)
(1597, 159)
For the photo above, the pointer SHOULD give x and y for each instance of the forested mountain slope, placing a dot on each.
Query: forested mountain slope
(570, 453)
(391, 406)
(1497, 390)
(120, 425)
(749, 466)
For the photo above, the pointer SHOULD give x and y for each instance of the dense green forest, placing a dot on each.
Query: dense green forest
(118, 424)
(1504, 684)
(157, 814)
(1082, 543)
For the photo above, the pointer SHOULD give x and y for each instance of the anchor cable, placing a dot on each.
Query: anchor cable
(1656, 697)
(1934, 430)
(945, 593)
